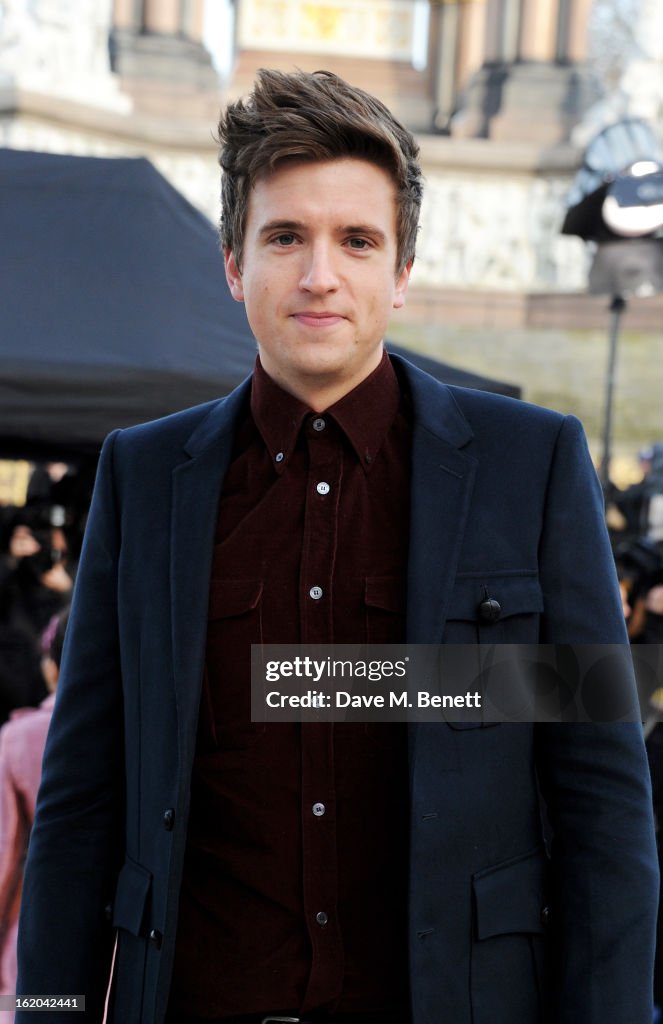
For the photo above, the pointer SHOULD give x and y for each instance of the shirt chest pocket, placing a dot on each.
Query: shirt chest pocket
(384, 609)
(234, 623)
(494, 609)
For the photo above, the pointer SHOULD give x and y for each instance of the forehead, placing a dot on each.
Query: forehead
(346, 190)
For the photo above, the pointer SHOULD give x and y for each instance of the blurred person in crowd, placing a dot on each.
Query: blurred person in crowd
(67, 486)
(641, 504)
(654, 488)
(21, 678)
(640, 570)
(654, 730)
(632, 502)
(22, 742)
(44, 482)
(327, 872)
(35, 583)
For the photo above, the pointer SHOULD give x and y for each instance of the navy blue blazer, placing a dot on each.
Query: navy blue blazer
(502, 930)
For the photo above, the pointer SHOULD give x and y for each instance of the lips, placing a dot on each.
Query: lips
(320, 320)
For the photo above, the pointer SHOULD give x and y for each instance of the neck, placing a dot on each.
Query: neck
(319, 392)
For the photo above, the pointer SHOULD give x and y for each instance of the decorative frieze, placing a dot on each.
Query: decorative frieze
(370, 28)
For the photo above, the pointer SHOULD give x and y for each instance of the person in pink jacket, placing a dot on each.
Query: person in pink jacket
(22, 742)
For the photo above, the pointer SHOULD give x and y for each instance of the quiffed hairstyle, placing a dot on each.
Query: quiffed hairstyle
(318, 116)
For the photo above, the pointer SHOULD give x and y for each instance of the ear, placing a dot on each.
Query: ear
(233, 275)
(402, 282)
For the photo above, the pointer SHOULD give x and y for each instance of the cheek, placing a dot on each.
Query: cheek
(380, 306)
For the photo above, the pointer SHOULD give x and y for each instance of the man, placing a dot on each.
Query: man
(281, 872)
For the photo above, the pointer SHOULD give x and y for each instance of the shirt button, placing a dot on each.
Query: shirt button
(319, 423)
(279, 457)
(323, 488)
(319, 810)
(316, 593)
(321, 917)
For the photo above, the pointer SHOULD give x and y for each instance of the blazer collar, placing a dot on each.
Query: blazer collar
(435, 410)
(220, 420)
(434, 406)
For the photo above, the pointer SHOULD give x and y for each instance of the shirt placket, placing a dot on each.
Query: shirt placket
(316, 583)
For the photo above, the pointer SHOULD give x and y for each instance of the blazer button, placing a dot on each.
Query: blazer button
(108, 912)
(156, 938)
(545, 916)
(169, 819)
(490, 610)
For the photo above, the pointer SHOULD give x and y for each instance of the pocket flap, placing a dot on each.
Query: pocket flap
(228, 598)
(131, 894)
(384, 592)
(517, 595)
(511, 896)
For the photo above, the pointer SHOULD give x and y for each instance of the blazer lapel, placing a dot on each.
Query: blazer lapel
(441, 488)
(196, 490)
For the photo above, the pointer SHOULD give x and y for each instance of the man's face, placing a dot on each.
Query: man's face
(319, 273)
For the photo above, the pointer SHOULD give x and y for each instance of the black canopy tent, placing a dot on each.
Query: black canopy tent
(114, 305)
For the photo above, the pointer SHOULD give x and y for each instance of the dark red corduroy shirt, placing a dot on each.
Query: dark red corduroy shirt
(294, 888)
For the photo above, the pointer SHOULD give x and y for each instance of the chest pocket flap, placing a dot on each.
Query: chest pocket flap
(516, 595)
(229, 598)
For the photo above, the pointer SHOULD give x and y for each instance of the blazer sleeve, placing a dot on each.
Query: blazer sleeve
(594, 777)
(65, 940)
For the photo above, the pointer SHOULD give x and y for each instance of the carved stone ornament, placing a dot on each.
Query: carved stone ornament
(59, 47)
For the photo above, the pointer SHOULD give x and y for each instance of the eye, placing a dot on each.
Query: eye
(285, 239)
(359, 244)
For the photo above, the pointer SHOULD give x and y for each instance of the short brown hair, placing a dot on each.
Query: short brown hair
(314, 117)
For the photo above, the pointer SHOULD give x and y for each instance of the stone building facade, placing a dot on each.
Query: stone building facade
(493, 88)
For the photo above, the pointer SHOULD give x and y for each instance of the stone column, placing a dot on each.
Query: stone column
(539, 92)
(457, 40)
(124, 14)
(195, 19)
(492, 31)
(471, 40)
(444, 29)
(162, 16)
(538, 30)
(501, 29)
(162, 61)
(574, 44)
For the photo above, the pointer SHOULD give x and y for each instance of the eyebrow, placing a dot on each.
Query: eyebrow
(280, 225)
(349, 229)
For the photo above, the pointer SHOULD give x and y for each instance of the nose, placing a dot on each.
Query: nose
(319, 274)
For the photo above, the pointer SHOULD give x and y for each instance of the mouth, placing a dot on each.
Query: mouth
(311, 319)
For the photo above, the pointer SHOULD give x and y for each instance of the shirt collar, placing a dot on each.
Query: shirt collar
(364, 415)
